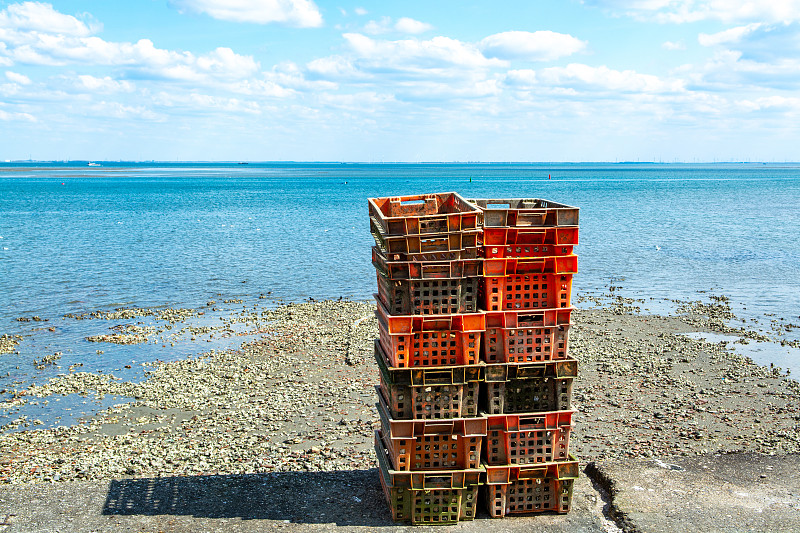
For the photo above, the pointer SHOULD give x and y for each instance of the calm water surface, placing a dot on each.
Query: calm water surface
(77, 238)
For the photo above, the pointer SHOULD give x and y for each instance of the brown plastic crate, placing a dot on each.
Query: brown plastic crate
(429, 393)
(522, 212)
(430, 340)
(434, 497)
(432, 444)
(519, 439)
(525, 489)
(423, 213)
(429, 296)
(526, 336)
(402, 269)
(528, 388)
(425, 244)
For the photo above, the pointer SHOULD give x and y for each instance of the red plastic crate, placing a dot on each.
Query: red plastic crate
(447, 296)
(427, 243)
(529, 242)
(431, 340)
(402, 269)
(520, 284)
(521, 212)
(510, 388)
(531, 438)
(526, 336)
(530, 488)
(432, 444)
(424, 213)
(430, 497)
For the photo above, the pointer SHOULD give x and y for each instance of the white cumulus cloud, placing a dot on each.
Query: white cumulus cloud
(673, 45)
(41, 17)
(409, 25)
(15, 77)
(403, 25)
(532, 46)
(728, 11)
(438, 52)
(732, 35)
(580, 76)
(104, 84)
(299, 13)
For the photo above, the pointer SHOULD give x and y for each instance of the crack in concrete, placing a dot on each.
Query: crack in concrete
(614, 520)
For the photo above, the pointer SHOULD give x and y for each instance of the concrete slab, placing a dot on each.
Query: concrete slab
(719, 493)
(291, 501)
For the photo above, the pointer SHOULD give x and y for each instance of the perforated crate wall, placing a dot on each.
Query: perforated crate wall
(529, 438)
(429, 296)
(432, 444)
(529, 496)
(527, 291)
(529, 243)
(424, 244)
(530, 488)
(423, 213)
(431, 402)
(430, 340)
(525, 212)
(437, 497)
(526, 336)
(528, 395)
(401, 268)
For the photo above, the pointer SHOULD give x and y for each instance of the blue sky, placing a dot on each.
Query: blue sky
(568, 80)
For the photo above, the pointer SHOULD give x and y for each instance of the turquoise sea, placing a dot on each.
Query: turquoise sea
(75, 239)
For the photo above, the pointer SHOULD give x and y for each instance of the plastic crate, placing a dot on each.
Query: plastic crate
(528, 438)
(402, 269)
(526, 336)
(427, 243)
(529, 242)
(524, 489)
(435, 497)
(528, 388)
(521, 212)
(432, 444)
(424, 213)
(429, 393)
(447, 296)
(517, 284)
(433, 340)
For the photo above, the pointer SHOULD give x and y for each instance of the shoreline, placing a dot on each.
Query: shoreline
(300, 396)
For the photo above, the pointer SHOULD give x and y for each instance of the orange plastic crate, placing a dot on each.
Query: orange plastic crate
(530, 488)
(433, 340)
(519, 439)
(402, 269)
(525, 212)
(526, 336)
(529, 242)
(510, 388)
(432, 444)
(424, 213)
(518, 284)
(447, 296)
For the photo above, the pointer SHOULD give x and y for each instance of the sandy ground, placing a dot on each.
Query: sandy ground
(293, 413)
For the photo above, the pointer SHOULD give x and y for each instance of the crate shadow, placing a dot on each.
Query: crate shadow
(351, 497)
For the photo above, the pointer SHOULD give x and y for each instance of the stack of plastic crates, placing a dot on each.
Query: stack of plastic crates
(427, 258)
(527, 388)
